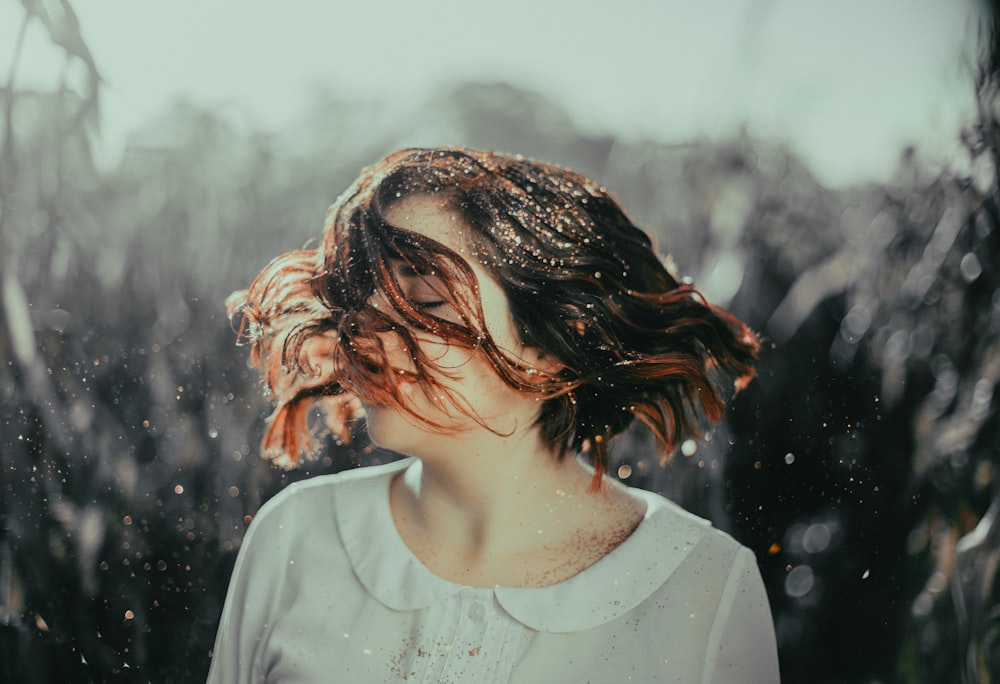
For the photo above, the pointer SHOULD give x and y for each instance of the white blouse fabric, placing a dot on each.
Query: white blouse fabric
(325, 590)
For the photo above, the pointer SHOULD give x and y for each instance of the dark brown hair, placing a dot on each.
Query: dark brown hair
(583, 284)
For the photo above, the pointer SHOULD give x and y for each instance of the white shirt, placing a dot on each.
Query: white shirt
(325, 590)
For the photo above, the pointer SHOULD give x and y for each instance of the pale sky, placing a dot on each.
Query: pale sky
(846, 83)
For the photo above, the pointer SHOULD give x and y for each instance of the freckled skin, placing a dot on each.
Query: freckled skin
(493, 506)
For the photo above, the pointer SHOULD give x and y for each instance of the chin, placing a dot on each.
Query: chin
(391, 429)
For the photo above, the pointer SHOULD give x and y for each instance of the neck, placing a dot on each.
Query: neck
(484, 499)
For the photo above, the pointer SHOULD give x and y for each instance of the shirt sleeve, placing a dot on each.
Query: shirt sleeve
(251, 600)
(741, 644)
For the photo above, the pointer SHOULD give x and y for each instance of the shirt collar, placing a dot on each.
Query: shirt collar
(608, 589)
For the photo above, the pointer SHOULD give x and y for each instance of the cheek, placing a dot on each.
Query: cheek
(497, 316)
(467, 375)
(451, 359)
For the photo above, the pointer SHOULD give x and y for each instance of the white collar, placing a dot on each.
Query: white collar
(609, 588)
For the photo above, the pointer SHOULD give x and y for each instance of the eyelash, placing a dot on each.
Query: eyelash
(426, 306)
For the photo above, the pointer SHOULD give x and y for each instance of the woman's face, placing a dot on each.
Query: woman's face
(473, 379)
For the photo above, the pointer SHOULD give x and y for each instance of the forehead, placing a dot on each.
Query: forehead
(432, 217)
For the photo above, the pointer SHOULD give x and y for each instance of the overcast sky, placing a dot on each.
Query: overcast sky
(847, 83)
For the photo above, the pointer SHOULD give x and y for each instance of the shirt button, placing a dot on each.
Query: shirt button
(477, 611)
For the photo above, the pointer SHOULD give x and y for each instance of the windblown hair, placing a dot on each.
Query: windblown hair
(583, 285)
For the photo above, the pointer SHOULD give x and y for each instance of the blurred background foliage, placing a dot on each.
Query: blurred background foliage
(862, 465)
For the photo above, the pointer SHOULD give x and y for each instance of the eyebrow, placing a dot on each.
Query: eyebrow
(405, 270)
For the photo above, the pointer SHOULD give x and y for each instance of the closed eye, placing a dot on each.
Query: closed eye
(423, 290)
(428, 305)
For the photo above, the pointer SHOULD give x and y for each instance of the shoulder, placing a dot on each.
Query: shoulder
(710, 563)
(666, 517)
(701, 546)
(303, 504)
(306, 492)
(670, 558)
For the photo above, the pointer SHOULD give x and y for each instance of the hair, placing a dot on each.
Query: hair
(583, 283)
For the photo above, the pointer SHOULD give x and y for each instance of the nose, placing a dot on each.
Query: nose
(376, 336)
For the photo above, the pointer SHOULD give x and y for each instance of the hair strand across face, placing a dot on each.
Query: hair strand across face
(583, 284)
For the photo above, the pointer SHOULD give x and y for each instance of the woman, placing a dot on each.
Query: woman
(492, 318)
